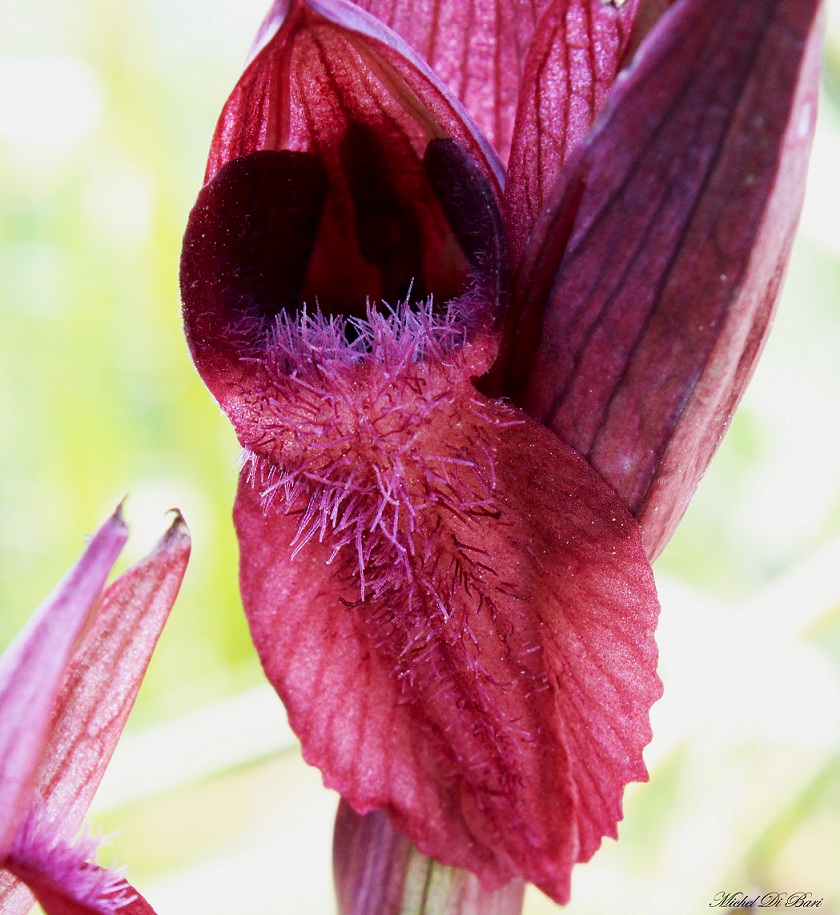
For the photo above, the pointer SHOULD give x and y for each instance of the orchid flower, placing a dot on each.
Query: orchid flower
(474, 401)
(67, 684)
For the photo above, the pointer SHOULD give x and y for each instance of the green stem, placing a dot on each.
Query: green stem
(379, 872)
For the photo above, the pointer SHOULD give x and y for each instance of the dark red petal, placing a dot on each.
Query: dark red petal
(648, 13)
(499, 652)
(246, 252)
(472, 211)
(478, 50)
(103, 679)
(379, 872)
(33, 667)
(679, 215)
(275, 106)
(332, 181)
(578, 48)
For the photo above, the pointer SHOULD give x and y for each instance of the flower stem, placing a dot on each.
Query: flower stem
(379, 872)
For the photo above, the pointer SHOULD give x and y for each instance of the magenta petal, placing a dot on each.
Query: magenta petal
(572, 63)
(77, 894)
(482, 640)
(104, 676)
(32, 669)
(679, 215)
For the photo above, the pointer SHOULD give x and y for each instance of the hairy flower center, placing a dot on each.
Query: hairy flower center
(377, 445)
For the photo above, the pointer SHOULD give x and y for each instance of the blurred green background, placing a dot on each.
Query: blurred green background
(106, 111)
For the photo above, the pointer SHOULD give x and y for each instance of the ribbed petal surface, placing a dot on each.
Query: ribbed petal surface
(574, 58)
(679, 215)
(478, 49)
(329, 63)
(466, 627)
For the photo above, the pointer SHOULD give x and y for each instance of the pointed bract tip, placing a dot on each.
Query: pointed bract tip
(177, 536)
(179, 527)
(118, 515)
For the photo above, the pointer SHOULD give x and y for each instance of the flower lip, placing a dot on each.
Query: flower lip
(363, 397)
(454, 638)
(453, 602)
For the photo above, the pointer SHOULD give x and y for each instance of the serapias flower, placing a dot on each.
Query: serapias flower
(67, 684)
(455, 394)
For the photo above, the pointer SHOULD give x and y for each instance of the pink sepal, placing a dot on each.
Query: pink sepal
(95, 697)
(32, 668)
(105, 675)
